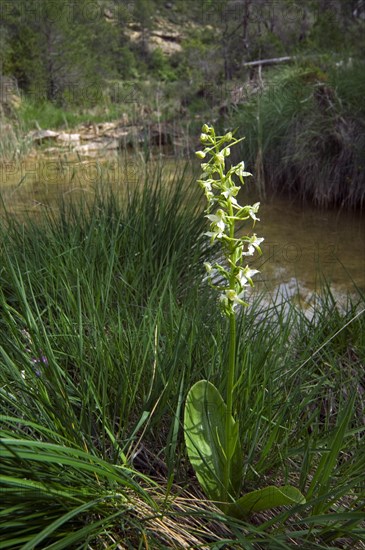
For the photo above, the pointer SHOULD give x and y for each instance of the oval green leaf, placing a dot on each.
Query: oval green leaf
(204, 430)
(264, 499)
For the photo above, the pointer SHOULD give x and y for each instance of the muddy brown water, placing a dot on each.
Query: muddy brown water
(302, 244)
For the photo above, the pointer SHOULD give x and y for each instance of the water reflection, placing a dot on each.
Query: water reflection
(303, 246)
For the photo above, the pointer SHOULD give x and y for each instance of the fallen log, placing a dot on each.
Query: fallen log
(272, 61)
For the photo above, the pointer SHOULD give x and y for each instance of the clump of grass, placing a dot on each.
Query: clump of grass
(105, 326)
(102, 276)
(13, 143)
(306, 134)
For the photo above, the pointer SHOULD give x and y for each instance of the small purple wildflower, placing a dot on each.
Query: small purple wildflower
(37, 362)
(42, 360)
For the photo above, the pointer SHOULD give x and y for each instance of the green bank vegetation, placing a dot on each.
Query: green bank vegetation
(183, 63)
(106, 323)
(306, 133)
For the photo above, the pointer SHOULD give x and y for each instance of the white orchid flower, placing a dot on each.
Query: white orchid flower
(253, 244)
(230, 194)
(218, 219)
(220, 157)
(245, 276)
(240, 170)
(218, 225)
(253, 210)
(235, 298)
(206, 184)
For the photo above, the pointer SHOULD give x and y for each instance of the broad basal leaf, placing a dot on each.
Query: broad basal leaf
(264, 499)
(205, 428)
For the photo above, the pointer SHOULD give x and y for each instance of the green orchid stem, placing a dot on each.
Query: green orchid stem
(230, 377)
(229, 401)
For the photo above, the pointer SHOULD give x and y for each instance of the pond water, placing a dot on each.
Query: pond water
(302, 244)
